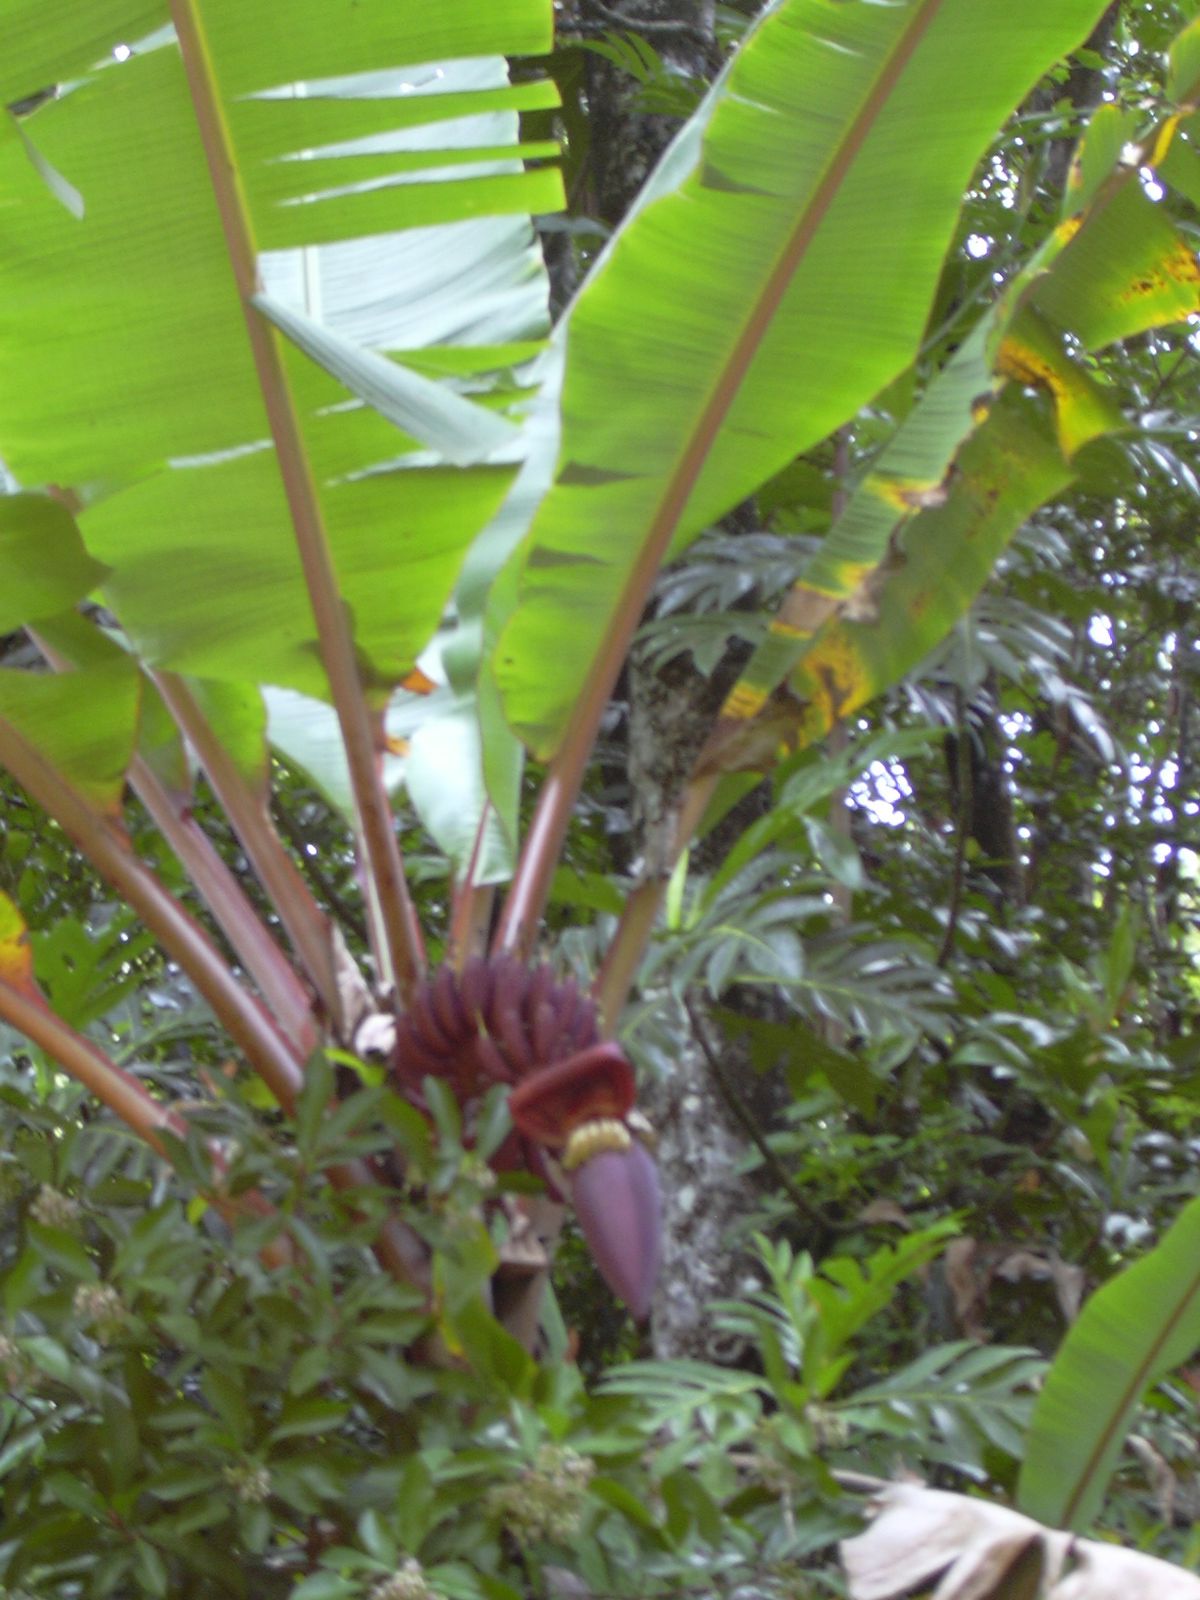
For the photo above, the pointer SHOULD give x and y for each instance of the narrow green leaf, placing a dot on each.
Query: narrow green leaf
(312, 1104)
(443, 1108)
(344, 36)
(183, 1481)
(271, 126)
(66, 193)
(459, 430)
(615, 1494)
(1132, 1332)
(411, 205)
(326, 1586)
(376, 1539)
(307, 1417)
(63, 1250)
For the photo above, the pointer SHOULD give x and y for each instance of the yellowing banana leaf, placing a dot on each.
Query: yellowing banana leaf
(1008, 468)
(1125, 267)
(1132, 270)
(1109, 273)
(777, 275)
(16, 953)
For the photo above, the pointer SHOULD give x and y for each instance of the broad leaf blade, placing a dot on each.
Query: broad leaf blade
(744, 304)
(1135, 275)
(447, 422)
(47, 45)
(44, 564)
(82, 724)
(1133, 1331)
(131, 360)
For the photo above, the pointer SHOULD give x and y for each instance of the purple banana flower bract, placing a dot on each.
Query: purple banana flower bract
(617, 1199)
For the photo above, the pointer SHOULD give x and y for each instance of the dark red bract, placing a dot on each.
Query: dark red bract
(571, 1097)
(617, 1200)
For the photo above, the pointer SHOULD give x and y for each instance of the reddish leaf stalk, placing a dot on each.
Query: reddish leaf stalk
(472, 904)
(102, 841)
(397, 1249)
(272, 1057)
(619, 967)
(119, 1090)
(282, 990)
(306, 924)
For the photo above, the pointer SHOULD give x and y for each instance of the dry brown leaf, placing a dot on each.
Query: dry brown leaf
(966, 1289)
(919, 1534)
(354, 997)
(1047, 1266)
(979, 1551)
(971, 1268)
(1107, 1572)
(884, 1211)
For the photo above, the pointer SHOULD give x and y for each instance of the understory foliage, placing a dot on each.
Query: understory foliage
(924, 549)
(182, 1419)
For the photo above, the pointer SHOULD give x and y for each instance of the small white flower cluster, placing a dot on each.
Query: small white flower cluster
(100, 1305)
(17, 1374)
(54, 1209)
(250, 1481)
(829, 1431)
(547, 1500)
(409, 1583)
(13, 1184)
(475, 1171)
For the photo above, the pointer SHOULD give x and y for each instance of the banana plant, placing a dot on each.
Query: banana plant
(303, 467)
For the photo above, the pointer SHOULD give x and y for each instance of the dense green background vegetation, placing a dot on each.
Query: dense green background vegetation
(931, 977)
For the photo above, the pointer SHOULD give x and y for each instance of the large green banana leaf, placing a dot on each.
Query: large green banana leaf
(125, 368)
(388, 194)
(777, 274)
